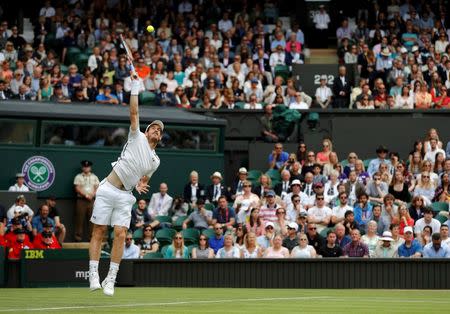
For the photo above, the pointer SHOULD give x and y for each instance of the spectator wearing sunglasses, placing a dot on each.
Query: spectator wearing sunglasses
(148, 243)
(320, 214)
(314, 238)
(203, 250)
(217, 241)
(130, 250)
(177, 249)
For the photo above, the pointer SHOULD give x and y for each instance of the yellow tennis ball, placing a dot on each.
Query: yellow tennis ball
(150, 29)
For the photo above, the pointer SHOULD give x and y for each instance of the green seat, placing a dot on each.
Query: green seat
(138, 233)
(344, 163)
(323, 233)
(72, 54)
(367, 162)
(209, 233)
(190, 236)
(153, 255)
(147, 98)
(239, 105)
(439, 207)
(283, 71)
(230, 204)
(254, 175)
(64, 68)
(162, 219)
(164, 236)
(88, 51)
(274, 174)
(209, 206)
(190, 247)
(81, 61)
(442, 219)
(178, 224)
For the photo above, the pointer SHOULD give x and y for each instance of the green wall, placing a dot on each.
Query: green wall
(174, 168)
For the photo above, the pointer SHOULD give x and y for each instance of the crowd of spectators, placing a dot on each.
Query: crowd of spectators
(308, 204)
(226, 56)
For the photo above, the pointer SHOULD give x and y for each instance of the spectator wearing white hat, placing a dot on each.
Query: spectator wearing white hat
(238, 186)
(385, 249)
(20, 184)
(291, 239)
(411, 248)
(216, 189)
(266, 240)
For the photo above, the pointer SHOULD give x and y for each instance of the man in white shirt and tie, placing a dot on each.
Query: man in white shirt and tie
(216, 189)
(20, 184)
(284, 187)
(160, 203)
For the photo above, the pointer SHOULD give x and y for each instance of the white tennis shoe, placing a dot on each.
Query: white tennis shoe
(108, 286)
(94, 281)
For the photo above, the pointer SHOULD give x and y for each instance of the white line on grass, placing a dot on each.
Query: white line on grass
(81, 307)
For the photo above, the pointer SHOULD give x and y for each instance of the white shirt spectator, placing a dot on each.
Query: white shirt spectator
(298, 105)
(16, 188)
(225, 25)
(431, 155)
(47, 12)
(321, 20)
(339, 211)
(323, 92)
(421, 223)
(25, 209)
(277, 58)
(320, 213)
(130, 252)
(159, 204)
(185, 7)
(257, 106)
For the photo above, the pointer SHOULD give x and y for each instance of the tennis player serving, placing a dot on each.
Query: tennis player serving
(114, 198)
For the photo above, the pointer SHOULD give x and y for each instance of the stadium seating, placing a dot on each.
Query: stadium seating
(439, 206)
(165, 236)
(190, 236)
(209, 233)
(153, 255)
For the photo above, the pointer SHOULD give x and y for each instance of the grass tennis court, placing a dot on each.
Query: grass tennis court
(195, 300)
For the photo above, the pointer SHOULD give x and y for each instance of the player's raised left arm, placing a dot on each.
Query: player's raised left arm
(134, 104)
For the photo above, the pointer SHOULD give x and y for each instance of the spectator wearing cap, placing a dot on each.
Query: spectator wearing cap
(20, 209)
(105, 96)
(411, 248)
(46, 241)
(216, 189)
(238, 186)
(268, 211)
(266, 240)
(323, 93)
(320, 214)
(385, 249)
(427, 220)
(341, 89)
(14, 224)
(85, 184)
(20, 184)
(42, 218)
(436, 249)
(331, 248)
(374, 164)
(295, 188)
(255, 89)
(291, 239)
(20, 243)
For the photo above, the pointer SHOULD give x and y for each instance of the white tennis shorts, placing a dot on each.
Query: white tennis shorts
(112, 206)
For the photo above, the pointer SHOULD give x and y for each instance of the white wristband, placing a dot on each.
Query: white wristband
(135, 87)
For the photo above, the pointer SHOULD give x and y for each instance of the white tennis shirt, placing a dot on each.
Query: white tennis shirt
(137, 159)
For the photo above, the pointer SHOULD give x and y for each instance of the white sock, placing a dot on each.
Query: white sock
(113, 269)
(93, 266)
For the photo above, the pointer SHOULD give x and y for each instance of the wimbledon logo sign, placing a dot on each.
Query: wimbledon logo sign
(39, 173)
